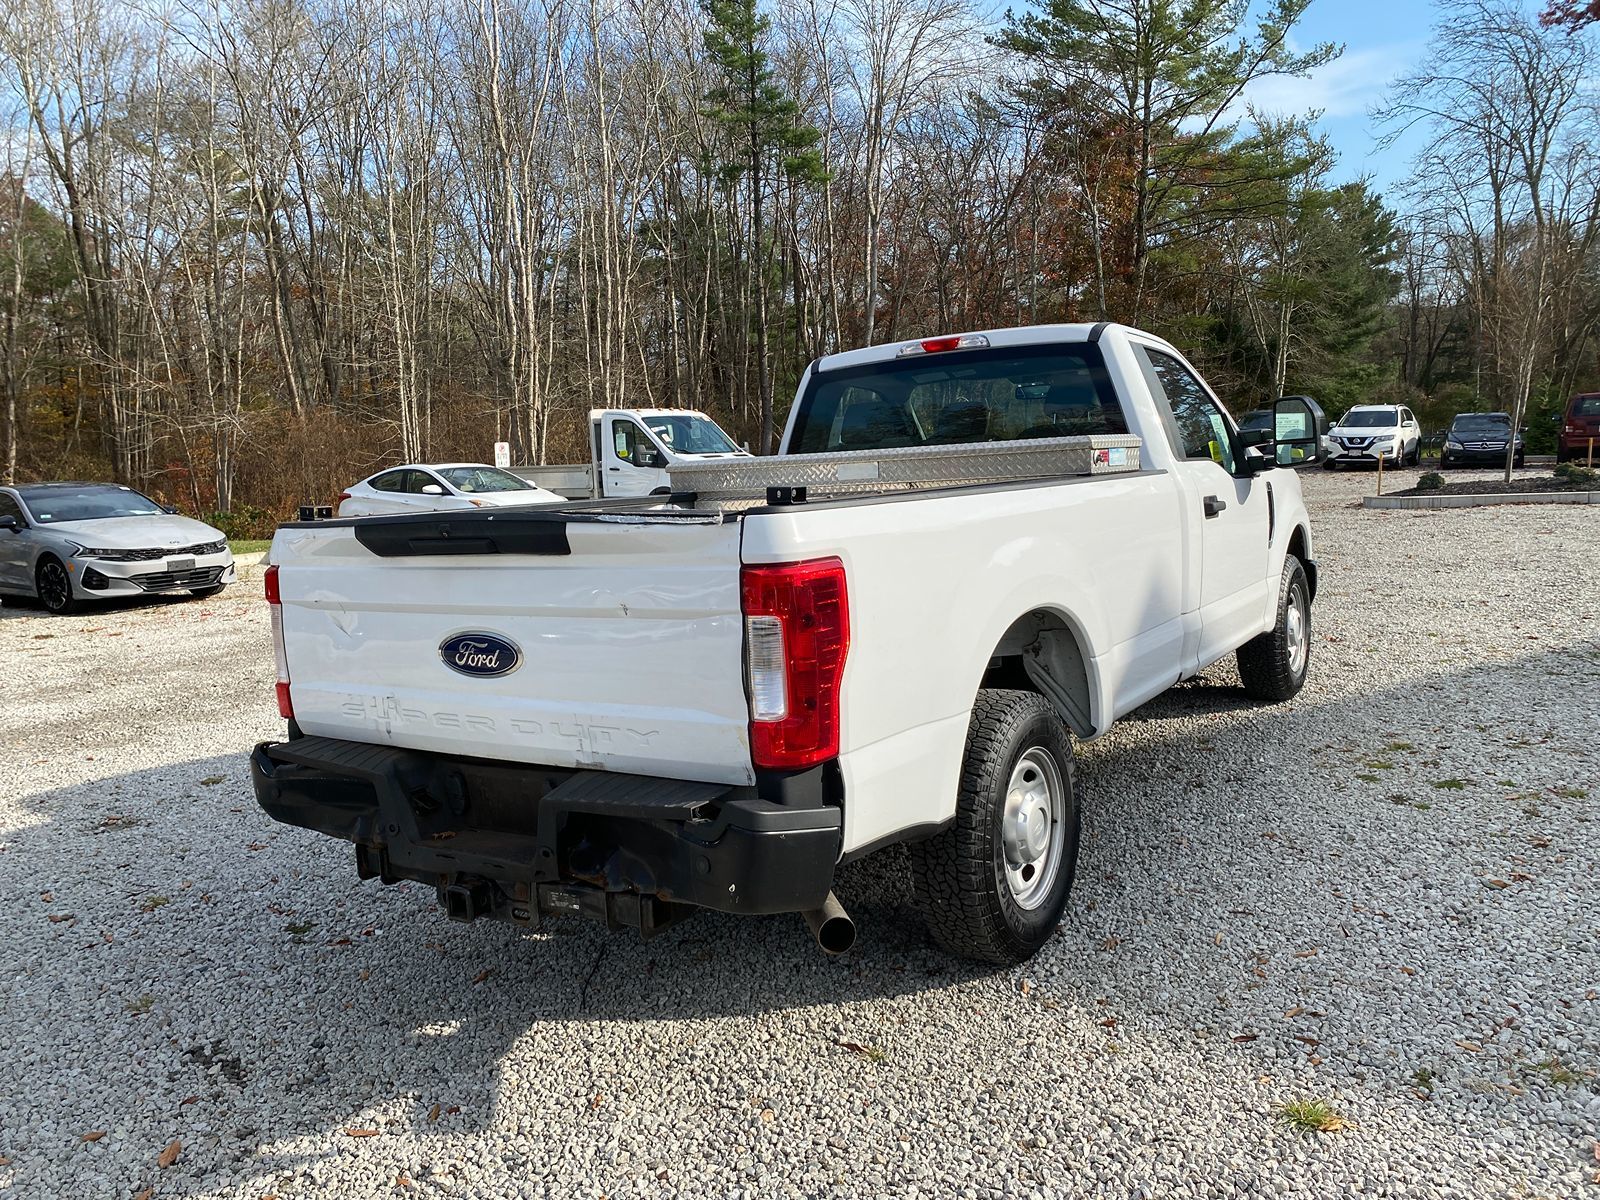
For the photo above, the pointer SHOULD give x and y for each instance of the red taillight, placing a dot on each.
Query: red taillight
(275, 599)
(939, 345)
(797, 634)
(343, 496)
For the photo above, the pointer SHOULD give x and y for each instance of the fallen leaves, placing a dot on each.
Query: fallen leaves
(361, 1133)
(482, 975)
(170, 1155)
(596, 1101)
(433, 1114)
(1470, 1046)
(94, 1135)
(57, 918)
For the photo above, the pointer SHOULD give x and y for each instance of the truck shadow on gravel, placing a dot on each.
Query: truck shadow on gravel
(252, 999)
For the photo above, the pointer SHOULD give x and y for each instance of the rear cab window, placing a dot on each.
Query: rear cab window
(997, 394)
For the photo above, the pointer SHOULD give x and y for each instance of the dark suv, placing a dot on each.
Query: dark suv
(1479, 438)
(1580, 428)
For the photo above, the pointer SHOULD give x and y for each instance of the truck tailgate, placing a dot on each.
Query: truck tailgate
(628, 645)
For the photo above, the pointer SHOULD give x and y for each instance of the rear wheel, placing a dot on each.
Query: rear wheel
(55, 586)
(993, 885)
(1273, 665)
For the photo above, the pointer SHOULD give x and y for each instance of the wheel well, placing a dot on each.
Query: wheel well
(1041, 653)
(1297, 543)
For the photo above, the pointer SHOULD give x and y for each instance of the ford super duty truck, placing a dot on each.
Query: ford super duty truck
(969, 550)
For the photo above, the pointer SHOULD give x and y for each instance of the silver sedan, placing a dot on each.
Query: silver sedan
(67, 543)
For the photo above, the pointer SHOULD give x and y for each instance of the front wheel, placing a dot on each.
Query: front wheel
(1273, 665)
(993, 885)
(55, 586)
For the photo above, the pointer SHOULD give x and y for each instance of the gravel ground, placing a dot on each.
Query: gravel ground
(1371, 896)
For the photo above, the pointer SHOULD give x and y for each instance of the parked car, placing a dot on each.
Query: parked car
(1368, 430)
(632, 450)
(631, 710)
(1480, 439)
(415, 487)
(1580, 428)
(64, 544)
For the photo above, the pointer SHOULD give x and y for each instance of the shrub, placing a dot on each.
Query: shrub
(1577, 474)
(1430, 482)
(245, 523)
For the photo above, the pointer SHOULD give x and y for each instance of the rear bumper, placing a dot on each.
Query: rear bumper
(518, 842)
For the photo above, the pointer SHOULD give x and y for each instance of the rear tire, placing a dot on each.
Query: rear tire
(54, 585)
(1273, 665)
(993, 885)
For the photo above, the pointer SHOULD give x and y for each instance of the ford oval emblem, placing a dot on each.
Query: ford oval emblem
(482, 654)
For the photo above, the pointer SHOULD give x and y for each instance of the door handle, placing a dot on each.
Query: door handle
(1213, 506)
(613, 468)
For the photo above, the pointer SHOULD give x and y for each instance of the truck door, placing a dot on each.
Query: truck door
(1229, 511)
(631, 463)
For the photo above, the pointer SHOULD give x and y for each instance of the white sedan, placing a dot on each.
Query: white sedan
(441, 487)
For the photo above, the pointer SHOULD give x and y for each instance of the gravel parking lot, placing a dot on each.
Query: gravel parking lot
(1372, 896)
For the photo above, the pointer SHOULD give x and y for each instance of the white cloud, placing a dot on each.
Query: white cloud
(1346, 87)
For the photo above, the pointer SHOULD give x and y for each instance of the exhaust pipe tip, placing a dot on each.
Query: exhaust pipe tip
(831, 926)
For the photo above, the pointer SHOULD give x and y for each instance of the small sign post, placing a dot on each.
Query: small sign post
(502, 454)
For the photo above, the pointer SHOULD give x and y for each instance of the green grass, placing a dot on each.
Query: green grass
(1449, 785)
(1556, 1072)
(1423, 1079)
(248, 547)
(1571, 793)
(1311, 1116)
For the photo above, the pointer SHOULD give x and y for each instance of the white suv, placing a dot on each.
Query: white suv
(1368, 430)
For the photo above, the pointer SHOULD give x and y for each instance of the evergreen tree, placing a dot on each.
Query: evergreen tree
(768, 141)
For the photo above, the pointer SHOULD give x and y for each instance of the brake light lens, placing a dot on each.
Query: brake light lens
(797, 636)
(939, 345)
(343, 496)
(275, 599)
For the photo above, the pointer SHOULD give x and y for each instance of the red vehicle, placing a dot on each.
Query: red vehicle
(1579, 428)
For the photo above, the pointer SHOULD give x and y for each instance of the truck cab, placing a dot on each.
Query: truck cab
(633, 451)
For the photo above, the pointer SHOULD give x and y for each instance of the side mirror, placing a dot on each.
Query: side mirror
(653, 459)
(1298, 424)
(432, 489)
(1255, 437)
(170, 509)
(9, 522)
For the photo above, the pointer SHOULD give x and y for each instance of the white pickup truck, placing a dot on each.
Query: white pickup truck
(968, 546)
(632, 453)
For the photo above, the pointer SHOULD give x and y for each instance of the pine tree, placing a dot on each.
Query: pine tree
(768, 140)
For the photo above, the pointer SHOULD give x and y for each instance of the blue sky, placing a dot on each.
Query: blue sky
(1382, 39)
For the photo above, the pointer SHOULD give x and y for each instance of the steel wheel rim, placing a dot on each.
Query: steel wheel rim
(1033, 827)
(55, 589)
(1295, 632)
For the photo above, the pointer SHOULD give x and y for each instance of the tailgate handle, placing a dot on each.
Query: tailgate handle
(1214, 506)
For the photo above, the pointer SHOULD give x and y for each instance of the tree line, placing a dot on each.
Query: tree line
(250, 251)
